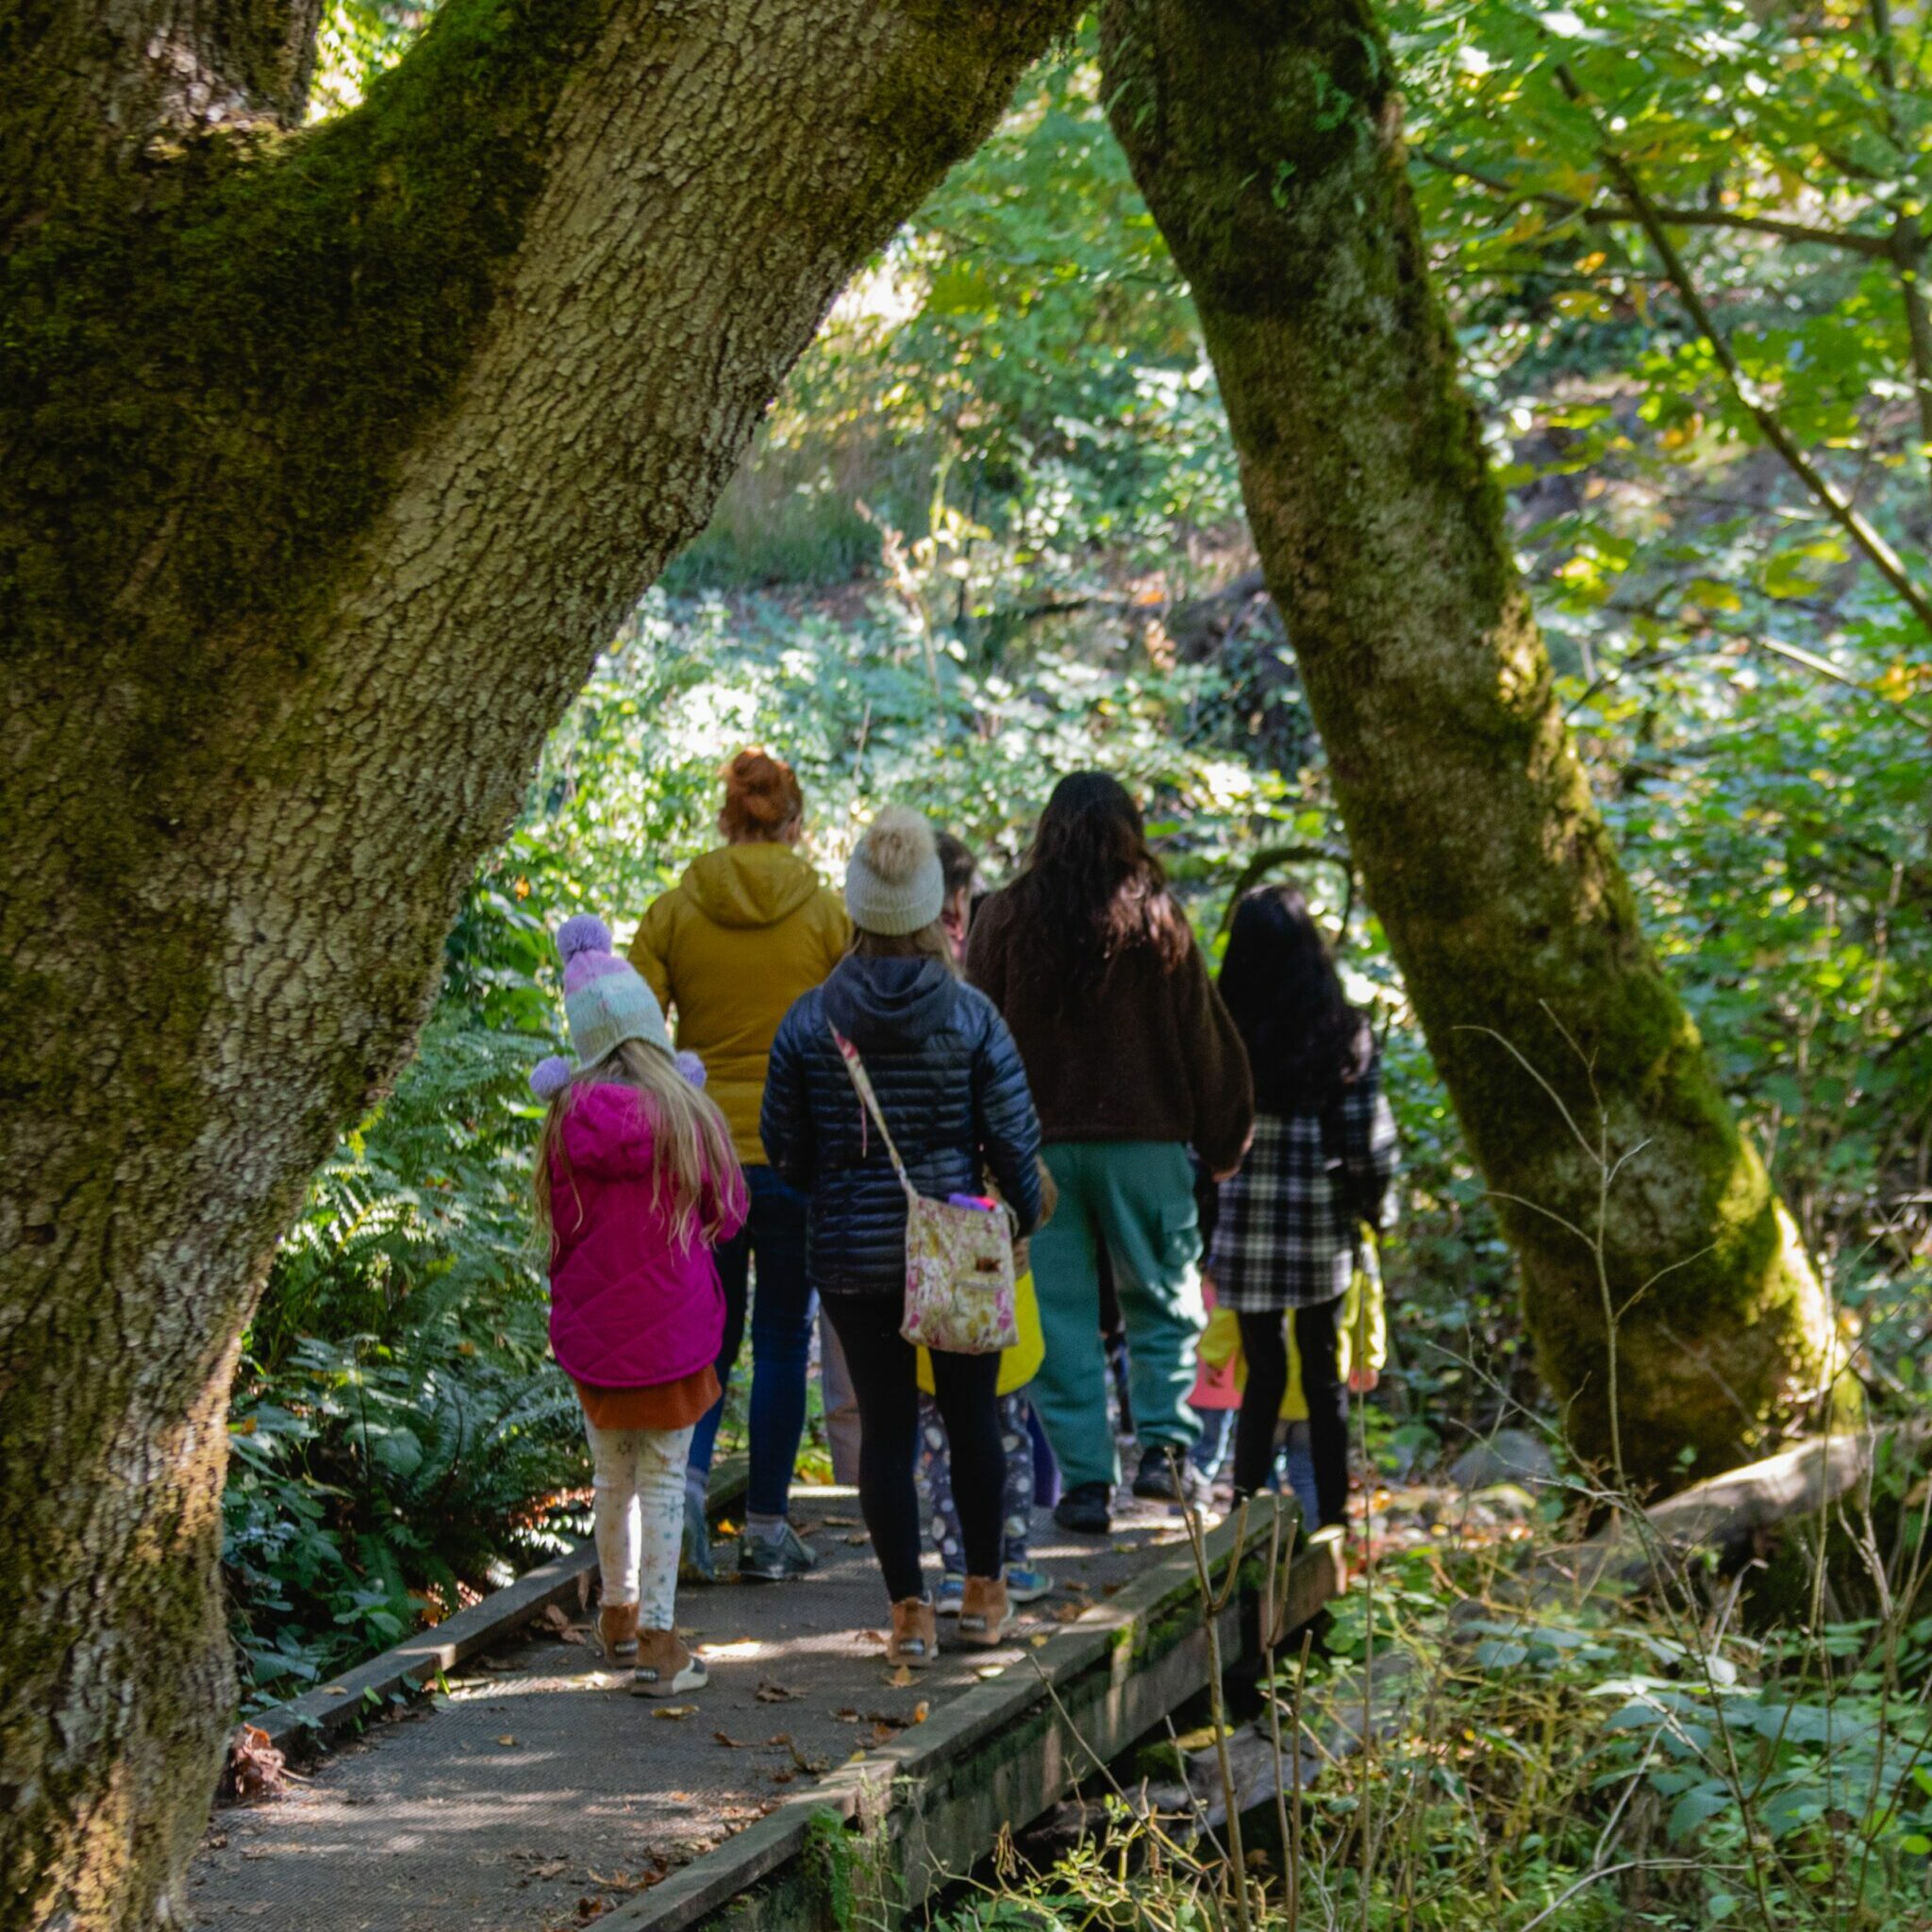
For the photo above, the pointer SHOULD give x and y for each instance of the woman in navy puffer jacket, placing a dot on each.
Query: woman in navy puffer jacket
(952, 1087)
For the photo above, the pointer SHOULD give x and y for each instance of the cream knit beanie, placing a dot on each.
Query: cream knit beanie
(894, 883)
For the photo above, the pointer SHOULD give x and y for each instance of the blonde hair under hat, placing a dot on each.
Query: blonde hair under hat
(894, 883)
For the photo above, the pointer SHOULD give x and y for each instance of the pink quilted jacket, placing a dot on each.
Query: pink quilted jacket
(629, 1308)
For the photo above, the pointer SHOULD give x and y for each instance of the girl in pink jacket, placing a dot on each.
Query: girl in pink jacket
(636, 1185)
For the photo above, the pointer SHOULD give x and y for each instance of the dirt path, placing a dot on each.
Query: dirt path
(540, 1792)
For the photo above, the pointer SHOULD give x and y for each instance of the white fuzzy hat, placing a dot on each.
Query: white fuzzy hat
(894, 882)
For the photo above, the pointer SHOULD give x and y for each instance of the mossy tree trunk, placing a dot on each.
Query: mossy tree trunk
(328, 457)
(1266, 135)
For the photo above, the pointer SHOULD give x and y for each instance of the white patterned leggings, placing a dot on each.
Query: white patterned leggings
(640, 1517)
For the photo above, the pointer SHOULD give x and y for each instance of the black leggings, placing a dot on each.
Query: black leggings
(1317, 1342)
(884, 1369)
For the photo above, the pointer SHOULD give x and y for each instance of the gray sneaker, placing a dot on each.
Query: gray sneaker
(774, 1558)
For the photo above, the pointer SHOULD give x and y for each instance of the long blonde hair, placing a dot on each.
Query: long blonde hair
(694, 1170)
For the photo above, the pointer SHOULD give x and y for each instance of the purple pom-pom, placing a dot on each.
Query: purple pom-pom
(584, 933)
(549, 1078)
(691, 1067)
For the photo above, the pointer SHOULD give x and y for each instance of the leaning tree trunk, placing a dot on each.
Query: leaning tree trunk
(1266, 137)
(327, 458)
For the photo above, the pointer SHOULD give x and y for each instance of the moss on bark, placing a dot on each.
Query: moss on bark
(1267, 139)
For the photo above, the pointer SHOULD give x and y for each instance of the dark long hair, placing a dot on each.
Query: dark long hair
(1305, 1041)
(1092, 888)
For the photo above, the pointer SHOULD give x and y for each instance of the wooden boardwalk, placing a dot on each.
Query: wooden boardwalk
(538, 1793)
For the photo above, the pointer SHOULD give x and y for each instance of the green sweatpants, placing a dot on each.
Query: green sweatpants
(1138, 1197)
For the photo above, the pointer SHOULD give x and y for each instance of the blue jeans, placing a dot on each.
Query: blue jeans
(773, 1237)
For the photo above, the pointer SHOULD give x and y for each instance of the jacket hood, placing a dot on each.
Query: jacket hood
(751, 885)
(884, 1004)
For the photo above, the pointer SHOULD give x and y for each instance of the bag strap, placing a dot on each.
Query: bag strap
(861, 1081)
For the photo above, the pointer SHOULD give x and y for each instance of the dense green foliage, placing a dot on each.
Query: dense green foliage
(980, 542)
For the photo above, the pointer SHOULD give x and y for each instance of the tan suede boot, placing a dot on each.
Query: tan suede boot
(616, 1631)
(915, 1638)
(665, 1667)
(984, 1612)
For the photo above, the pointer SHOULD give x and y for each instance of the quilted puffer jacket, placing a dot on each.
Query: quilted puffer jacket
(951, 1086)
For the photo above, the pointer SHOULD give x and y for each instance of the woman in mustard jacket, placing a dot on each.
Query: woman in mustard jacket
(748, 928)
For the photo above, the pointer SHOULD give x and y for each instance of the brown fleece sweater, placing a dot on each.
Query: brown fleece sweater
(1148, 1056)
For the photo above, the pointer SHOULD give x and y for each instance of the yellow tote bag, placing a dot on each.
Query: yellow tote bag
(1020, 1363)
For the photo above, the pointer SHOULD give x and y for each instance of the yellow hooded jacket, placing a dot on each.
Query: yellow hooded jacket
(1364, 1337)
(745, 932)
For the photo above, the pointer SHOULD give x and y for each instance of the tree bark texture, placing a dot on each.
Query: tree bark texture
(328, 457)
(1266, 137)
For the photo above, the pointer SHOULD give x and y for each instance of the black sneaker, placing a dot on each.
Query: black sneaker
(1157, 1481)
(1086, 1510)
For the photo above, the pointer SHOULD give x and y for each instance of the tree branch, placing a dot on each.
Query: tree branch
(1877, 247)
(1883, 558)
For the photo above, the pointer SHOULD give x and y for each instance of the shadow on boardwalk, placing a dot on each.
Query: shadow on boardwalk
(539, 1792)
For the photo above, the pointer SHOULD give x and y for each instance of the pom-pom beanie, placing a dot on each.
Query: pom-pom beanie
(894, 883)
(603, 999)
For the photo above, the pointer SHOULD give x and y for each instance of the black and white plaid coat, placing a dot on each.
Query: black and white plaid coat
(1281, 1240)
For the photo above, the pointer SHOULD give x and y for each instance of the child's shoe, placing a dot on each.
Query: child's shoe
(947, 1598)
(616, 1631)
(1026, 1585)
(985, 1612)
(915, 1638)
(775, 1558)
(665, 1667)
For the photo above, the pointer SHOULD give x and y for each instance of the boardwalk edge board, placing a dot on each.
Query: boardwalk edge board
(319, 1717)
(932, 1803)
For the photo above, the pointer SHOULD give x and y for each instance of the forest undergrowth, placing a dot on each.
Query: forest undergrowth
(1547, 1711)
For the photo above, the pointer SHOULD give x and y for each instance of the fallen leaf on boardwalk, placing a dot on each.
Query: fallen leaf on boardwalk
(506, 1738)
(846, 1715)
(256, 1768)
(854, 1540)
(921, 1711)
(1037, 1638)
(1112, 1589)
(731, 1742)
(1123, 1549)
(1078, 1584)
(783, 1738)
(675, 1710)
(901, 1679)
(562, 1627)
(884, 1733)
(548, 1868)
(842, 1523)
(769, 1692)
(1067, 1613)
(783, 1777)
(871, 1636)
(811, 1764)
(989, 1670)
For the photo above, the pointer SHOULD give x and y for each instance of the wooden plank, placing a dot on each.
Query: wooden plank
(319, 1716)
(931, 1803)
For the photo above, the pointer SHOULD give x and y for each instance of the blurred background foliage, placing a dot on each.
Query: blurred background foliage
(991, 531)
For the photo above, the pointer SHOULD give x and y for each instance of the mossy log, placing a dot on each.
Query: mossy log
(1266, 136)
(330, 457)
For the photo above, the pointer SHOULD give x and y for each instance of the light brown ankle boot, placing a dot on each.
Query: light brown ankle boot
(915, 1638)
(665, 1667)
(616, 1631)
(984, 1612)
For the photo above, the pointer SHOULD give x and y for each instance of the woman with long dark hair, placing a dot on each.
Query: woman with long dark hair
(1132, 1058)
(1321, 1158)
